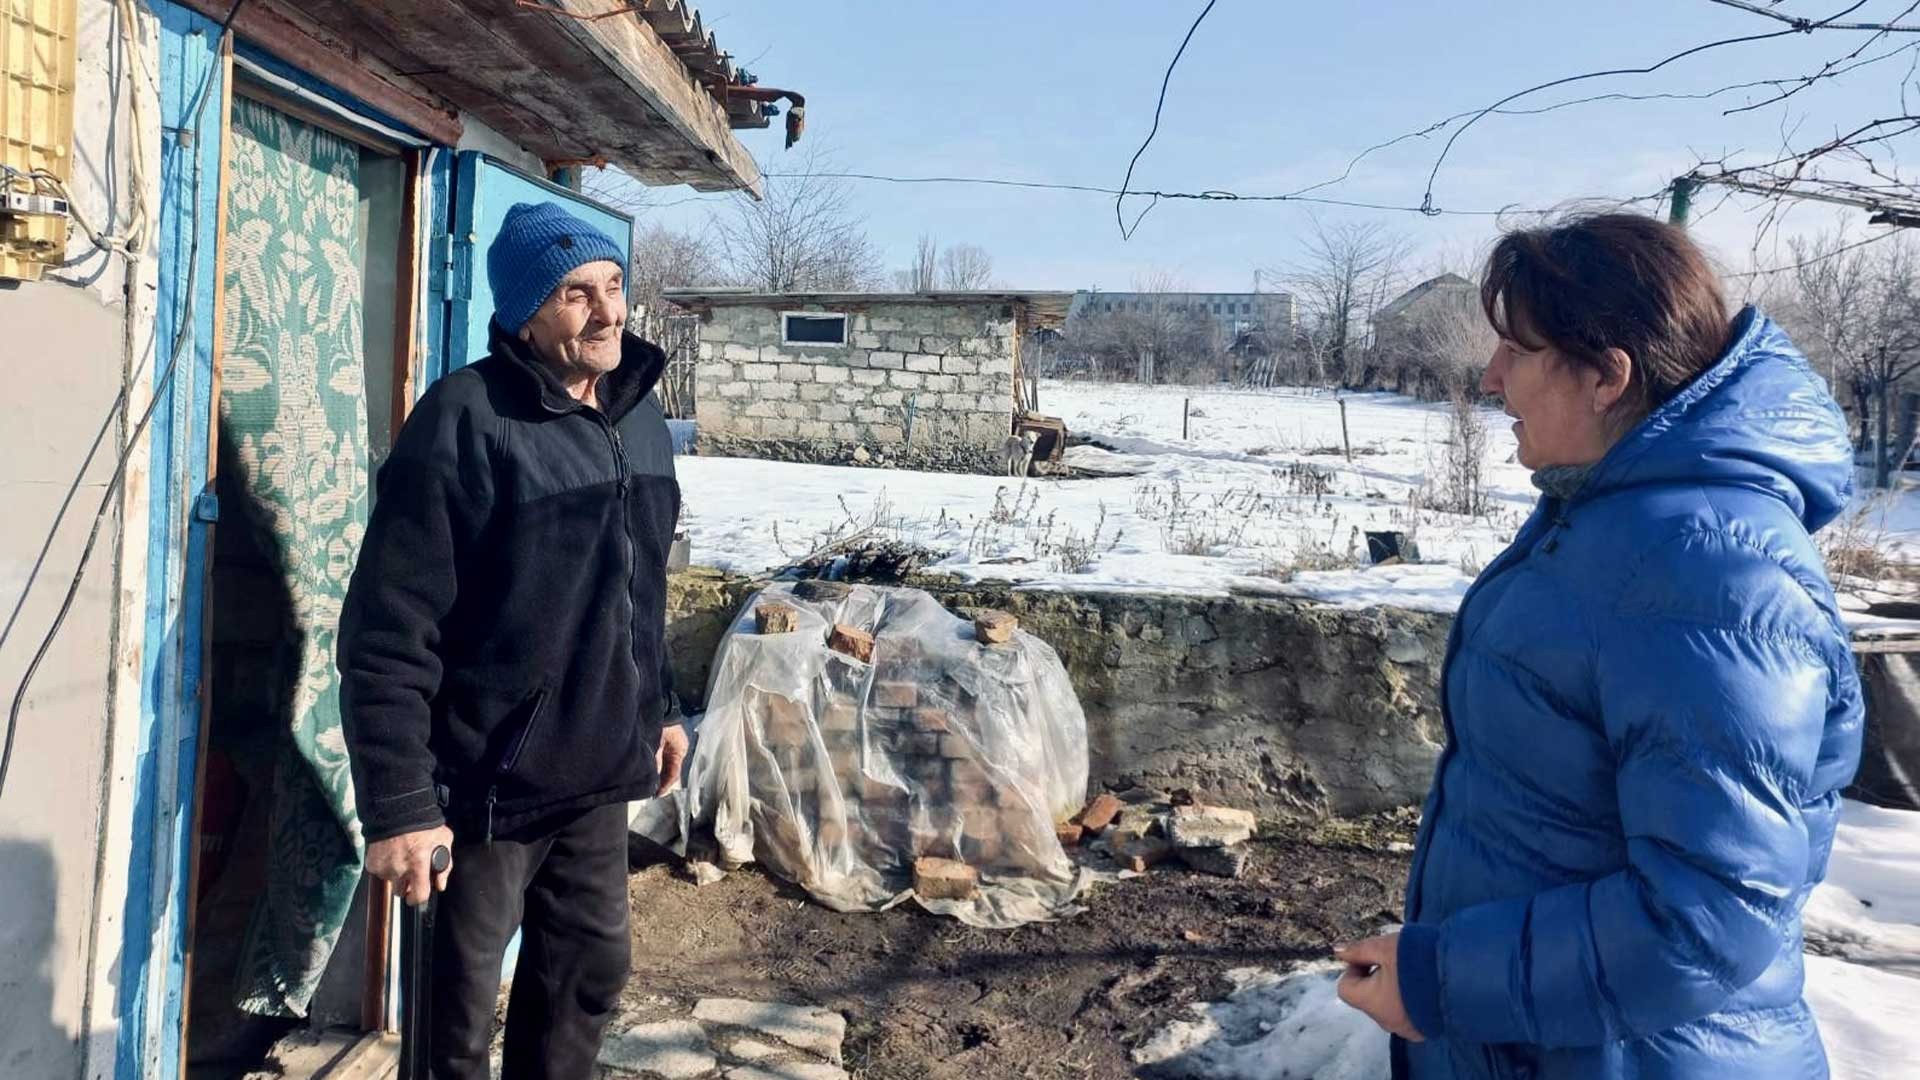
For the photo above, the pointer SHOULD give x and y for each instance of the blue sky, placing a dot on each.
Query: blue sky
(1271, 96)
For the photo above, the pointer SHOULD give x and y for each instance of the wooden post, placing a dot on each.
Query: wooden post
(1186, 409)
(1346, 441)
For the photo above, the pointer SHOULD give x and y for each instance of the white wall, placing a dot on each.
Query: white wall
(64, 346)
(478, 136)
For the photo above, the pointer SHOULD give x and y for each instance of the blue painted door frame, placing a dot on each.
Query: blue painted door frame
(468, 193)
(151, 983)
(479, 193)
(179, 512)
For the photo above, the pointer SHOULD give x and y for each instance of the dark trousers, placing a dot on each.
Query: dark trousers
(563, 882)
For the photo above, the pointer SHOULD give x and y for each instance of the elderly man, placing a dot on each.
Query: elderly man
(505, 691)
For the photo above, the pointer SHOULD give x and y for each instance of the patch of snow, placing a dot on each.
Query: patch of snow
(1271, 1027)
(1866, 1018)
(1258, 490)
(1868, 909)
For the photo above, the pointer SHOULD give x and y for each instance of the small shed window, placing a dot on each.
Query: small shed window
(813, 329)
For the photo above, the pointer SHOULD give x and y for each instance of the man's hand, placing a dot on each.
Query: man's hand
(672, 755)
(1372, 984)
(407, 861)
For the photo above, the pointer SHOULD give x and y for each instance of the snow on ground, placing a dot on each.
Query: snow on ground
(1868, 909)
(1865, 993)
(1866, 917)
(1258, 497)
(1270, 1026)
(1866, 1018)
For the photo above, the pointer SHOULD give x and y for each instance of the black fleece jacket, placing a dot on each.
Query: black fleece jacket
(501, 648)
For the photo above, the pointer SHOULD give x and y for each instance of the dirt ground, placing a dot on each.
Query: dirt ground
(928, 998)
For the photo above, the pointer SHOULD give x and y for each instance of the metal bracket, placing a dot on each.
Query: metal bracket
(450, 256)
(206, 507)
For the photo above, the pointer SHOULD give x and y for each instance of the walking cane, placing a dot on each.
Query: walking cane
(416, 974)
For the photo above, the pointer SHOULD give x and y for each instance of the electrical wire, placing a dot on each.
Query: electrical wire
(178, 349)
(1195, 196)
(1817, 259)
(1210, 195)
(133, 238)
(1801, 24)
(1775, 84)
(1426, 199)
(1165, 81)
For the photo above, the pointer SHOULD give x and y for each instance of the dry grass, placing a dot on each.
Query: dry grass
(1858, 547)
(1062, 547)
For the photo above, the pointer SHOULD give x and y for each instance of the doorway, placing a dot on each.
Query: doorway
(313, 354)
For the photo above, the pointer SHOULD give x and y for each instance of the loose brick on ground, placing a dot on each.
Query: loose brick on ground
(1228, 862)
(1210, 826)
(1100, 812)
(944, 879)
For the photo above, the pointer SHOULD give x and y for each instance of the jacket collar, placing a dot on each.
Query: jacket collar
(641, 364)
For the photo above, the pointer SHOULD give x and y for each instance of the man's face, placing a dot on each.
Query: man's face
(578, 329)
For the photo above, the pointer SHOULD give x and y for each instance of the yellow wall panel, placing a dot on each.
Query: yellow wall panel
(36, 124)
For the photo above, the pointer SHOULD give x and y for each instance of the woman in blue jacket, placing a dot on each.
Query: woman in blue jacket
(1649, 699)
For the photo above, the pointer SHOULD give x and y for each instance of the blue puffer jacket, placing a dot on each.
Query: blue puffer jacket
(1651, 708)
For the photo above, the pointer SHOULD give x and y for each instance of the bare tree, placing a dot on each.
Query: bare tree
(964, 267)
(1155, 336)
(921, 276)
(665, 259)
(804, 235)
(1856, 311)
(1346, 273)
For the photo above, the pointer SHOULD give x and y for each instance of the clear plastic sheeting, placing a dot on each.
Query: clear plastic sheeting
(837, 773)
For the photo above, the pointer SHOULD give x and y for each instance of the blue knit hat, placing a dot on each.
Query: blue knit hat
(539, 244)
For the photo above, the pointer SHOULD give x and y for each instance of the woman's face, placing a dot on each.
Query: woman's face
(1559, 408)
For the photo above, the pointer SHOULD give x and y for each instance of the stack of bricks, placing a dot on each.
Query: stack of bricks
(905, 774)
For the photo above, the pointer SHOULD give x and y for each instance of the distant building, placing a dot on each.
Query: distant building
(1396, 321)
(928, 380)
(1233, 313)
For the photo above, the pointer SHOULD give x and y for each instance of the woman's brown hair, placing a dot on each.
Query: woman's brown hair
(1611, 281)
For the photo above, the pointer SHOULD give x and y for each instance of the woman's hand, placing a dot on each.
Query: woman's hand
(1372, 983)
(673, 754)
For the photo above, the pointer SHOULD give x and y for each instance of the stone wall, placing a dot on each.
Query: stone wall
(951, 364)
(1286, 707)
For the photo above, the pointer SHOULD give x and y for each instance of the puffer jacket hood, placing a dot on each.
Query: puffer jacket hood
(1760, 418)
(1650, 709)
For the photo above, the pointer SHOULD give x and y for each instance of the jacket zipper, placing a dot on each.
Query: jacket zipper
(629, 558)
(508, 763)
(1514, 556)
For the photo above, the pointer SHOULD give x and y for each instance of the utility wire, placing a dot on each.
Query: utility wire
(1778, 85)
(1165, 81)
(1426, 200)
(179, 347)
(1193, 196)
(1802, 25)
(1835, 253)
(1827, 69)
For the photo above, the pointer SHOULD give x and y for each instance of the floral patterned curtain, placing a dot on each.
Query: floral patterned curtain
(293, 408)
